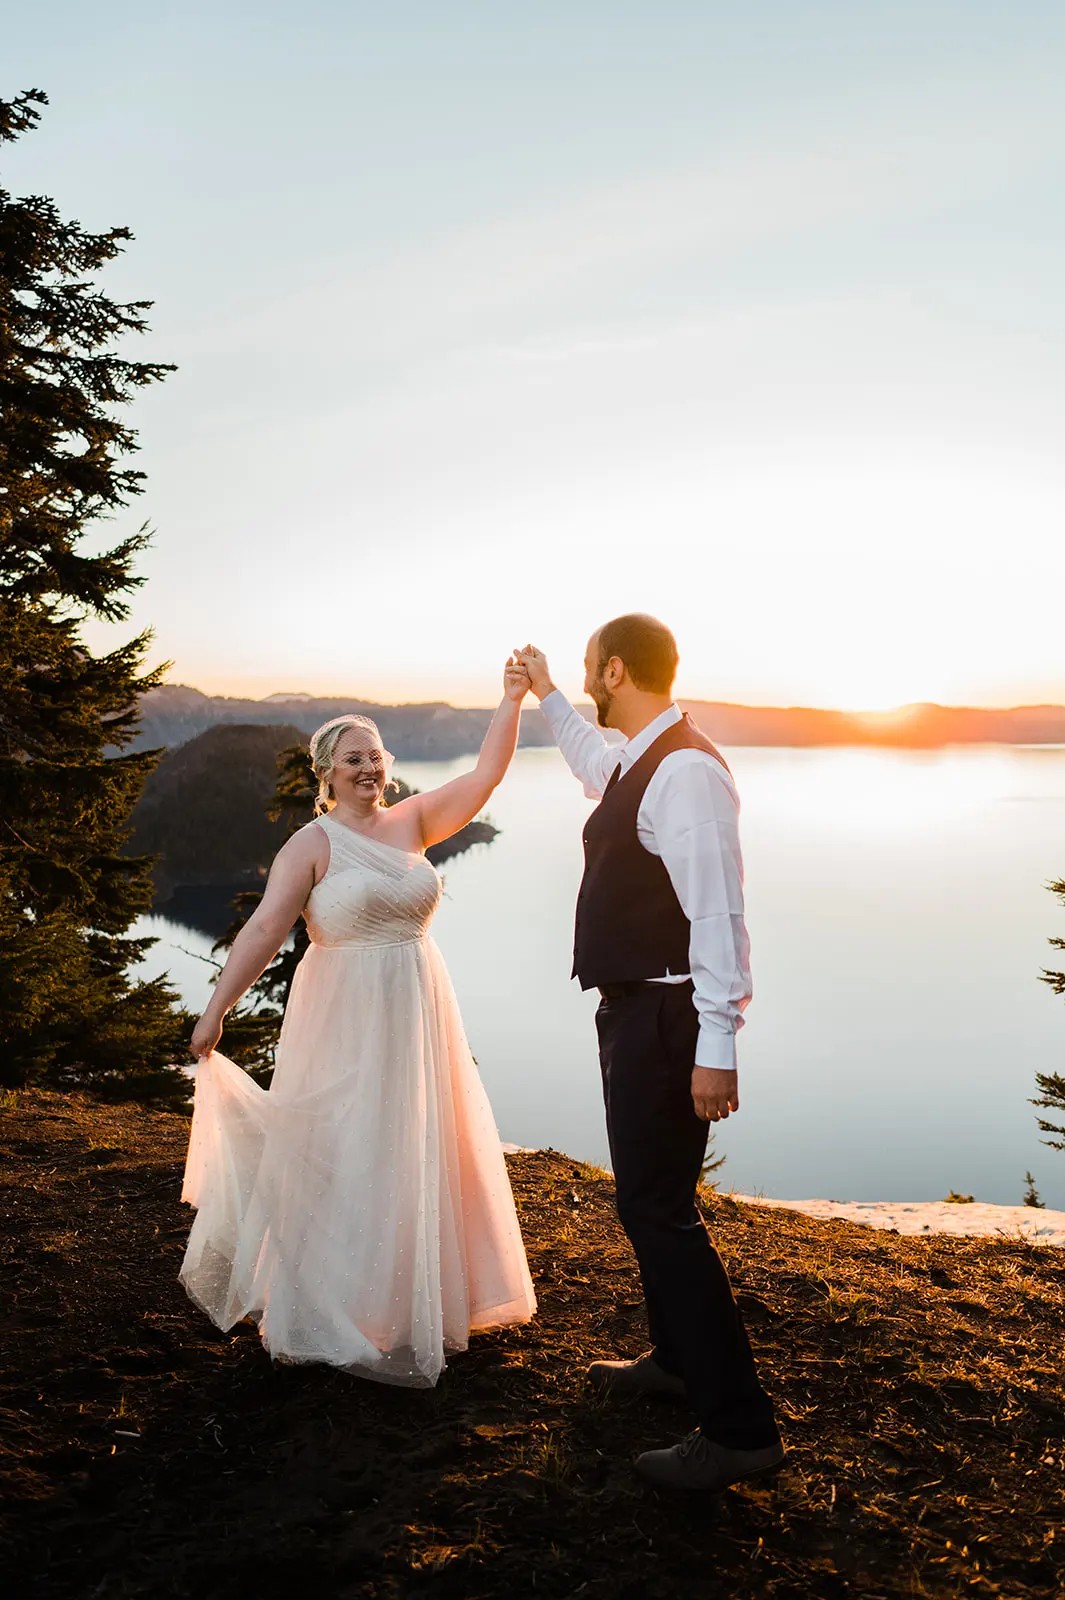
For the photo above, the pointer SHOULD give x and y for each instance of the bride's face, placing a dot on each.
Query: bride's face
(359, 772)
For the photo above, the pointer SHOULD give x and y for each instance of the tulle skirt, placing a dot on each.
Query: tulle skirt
(360, 1208)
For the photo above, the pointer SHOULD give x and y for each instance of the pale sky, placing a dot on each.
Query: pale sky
(496, 319)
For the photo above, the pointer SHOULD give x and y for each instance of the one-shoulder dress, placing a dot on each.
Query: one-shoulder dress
(359, 1209)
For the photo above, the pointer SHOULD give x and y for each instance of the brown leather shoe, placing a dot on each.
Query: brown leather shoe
(699, 1463)
(642, 1376)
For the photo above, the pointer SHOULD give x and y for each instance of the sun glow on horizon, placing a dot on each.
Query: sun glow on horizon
(882, 712)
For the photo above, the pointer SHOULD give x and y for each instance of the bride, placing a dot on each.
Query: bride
(359, 1209)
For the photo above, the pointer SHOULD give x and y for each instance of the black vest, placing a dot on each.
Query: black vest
(629, 921)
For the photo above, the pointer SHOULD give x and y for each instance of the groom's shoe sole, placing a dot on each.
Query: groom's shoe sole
(622, 1380)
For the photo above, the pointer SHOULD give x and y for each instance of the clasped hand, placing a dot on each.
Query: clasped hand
(516, 683)
(534, 664)
(527, 669)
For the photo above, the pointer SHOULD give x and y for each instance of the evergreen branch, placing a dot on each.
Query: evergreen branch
(196, 956)
(23, 842)
(20, 115)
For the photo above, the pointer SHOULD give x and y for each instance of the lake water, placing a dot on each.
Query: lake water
(898, 917)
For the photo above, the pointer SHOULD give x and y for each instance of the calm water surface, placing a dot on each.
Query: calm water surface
(898, 920)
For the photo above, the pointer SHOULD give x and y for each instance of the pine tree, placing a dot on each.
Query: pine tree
(69, 1011)
(1051, 1085)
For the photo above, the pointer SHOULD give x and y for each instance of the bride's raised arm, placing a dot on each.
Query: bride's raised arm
(442, 812)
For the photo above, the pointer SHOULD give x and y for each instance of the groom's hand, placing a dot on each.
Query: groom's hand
(535, 663)
(714, 1093)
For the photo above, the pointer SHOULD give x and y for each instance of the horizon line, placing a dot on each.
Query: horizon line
(903, 709)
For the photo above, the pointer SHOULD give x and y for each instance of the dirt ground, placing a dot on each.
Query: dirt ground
(919, 1382)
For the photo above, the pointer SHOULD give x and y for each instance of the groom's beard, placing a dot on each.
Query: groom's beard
(602, 699)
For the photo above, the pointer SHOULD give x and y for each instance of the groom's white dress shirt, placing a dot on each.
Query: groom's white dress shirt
(689, 818)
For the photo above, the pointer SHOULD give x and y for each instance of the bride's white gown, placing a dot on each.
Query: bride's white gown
(360, 1208)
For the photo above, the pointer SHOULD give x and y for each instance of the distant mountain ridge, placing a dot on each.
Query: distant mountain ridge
(175, 713)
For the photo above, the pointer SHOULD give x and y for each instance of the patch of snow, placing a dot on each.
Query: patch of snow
(932, 1216)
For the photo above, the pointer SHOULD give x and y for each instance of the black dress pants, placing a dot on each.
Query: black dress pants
(647, 1037)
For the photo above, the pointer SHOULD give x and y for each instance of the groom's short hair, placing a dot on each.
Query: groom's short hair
(647, 648)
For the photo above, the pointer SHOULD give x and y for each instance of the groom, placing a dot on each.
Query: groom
(660, 934)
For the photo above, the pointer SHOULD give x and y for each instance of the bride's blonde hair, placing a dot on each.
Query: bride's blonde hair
(323, 745)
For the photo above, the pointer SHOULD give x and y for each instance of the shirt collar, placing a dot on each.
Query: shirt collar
(634, 749)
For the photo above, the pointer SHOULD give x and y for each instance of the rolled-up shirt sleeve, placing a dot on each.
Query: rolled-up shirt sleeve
(583, 747)
(695, 818)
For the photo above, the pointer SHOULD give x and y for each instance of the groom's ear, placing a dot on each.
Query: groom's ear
(614, 672)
